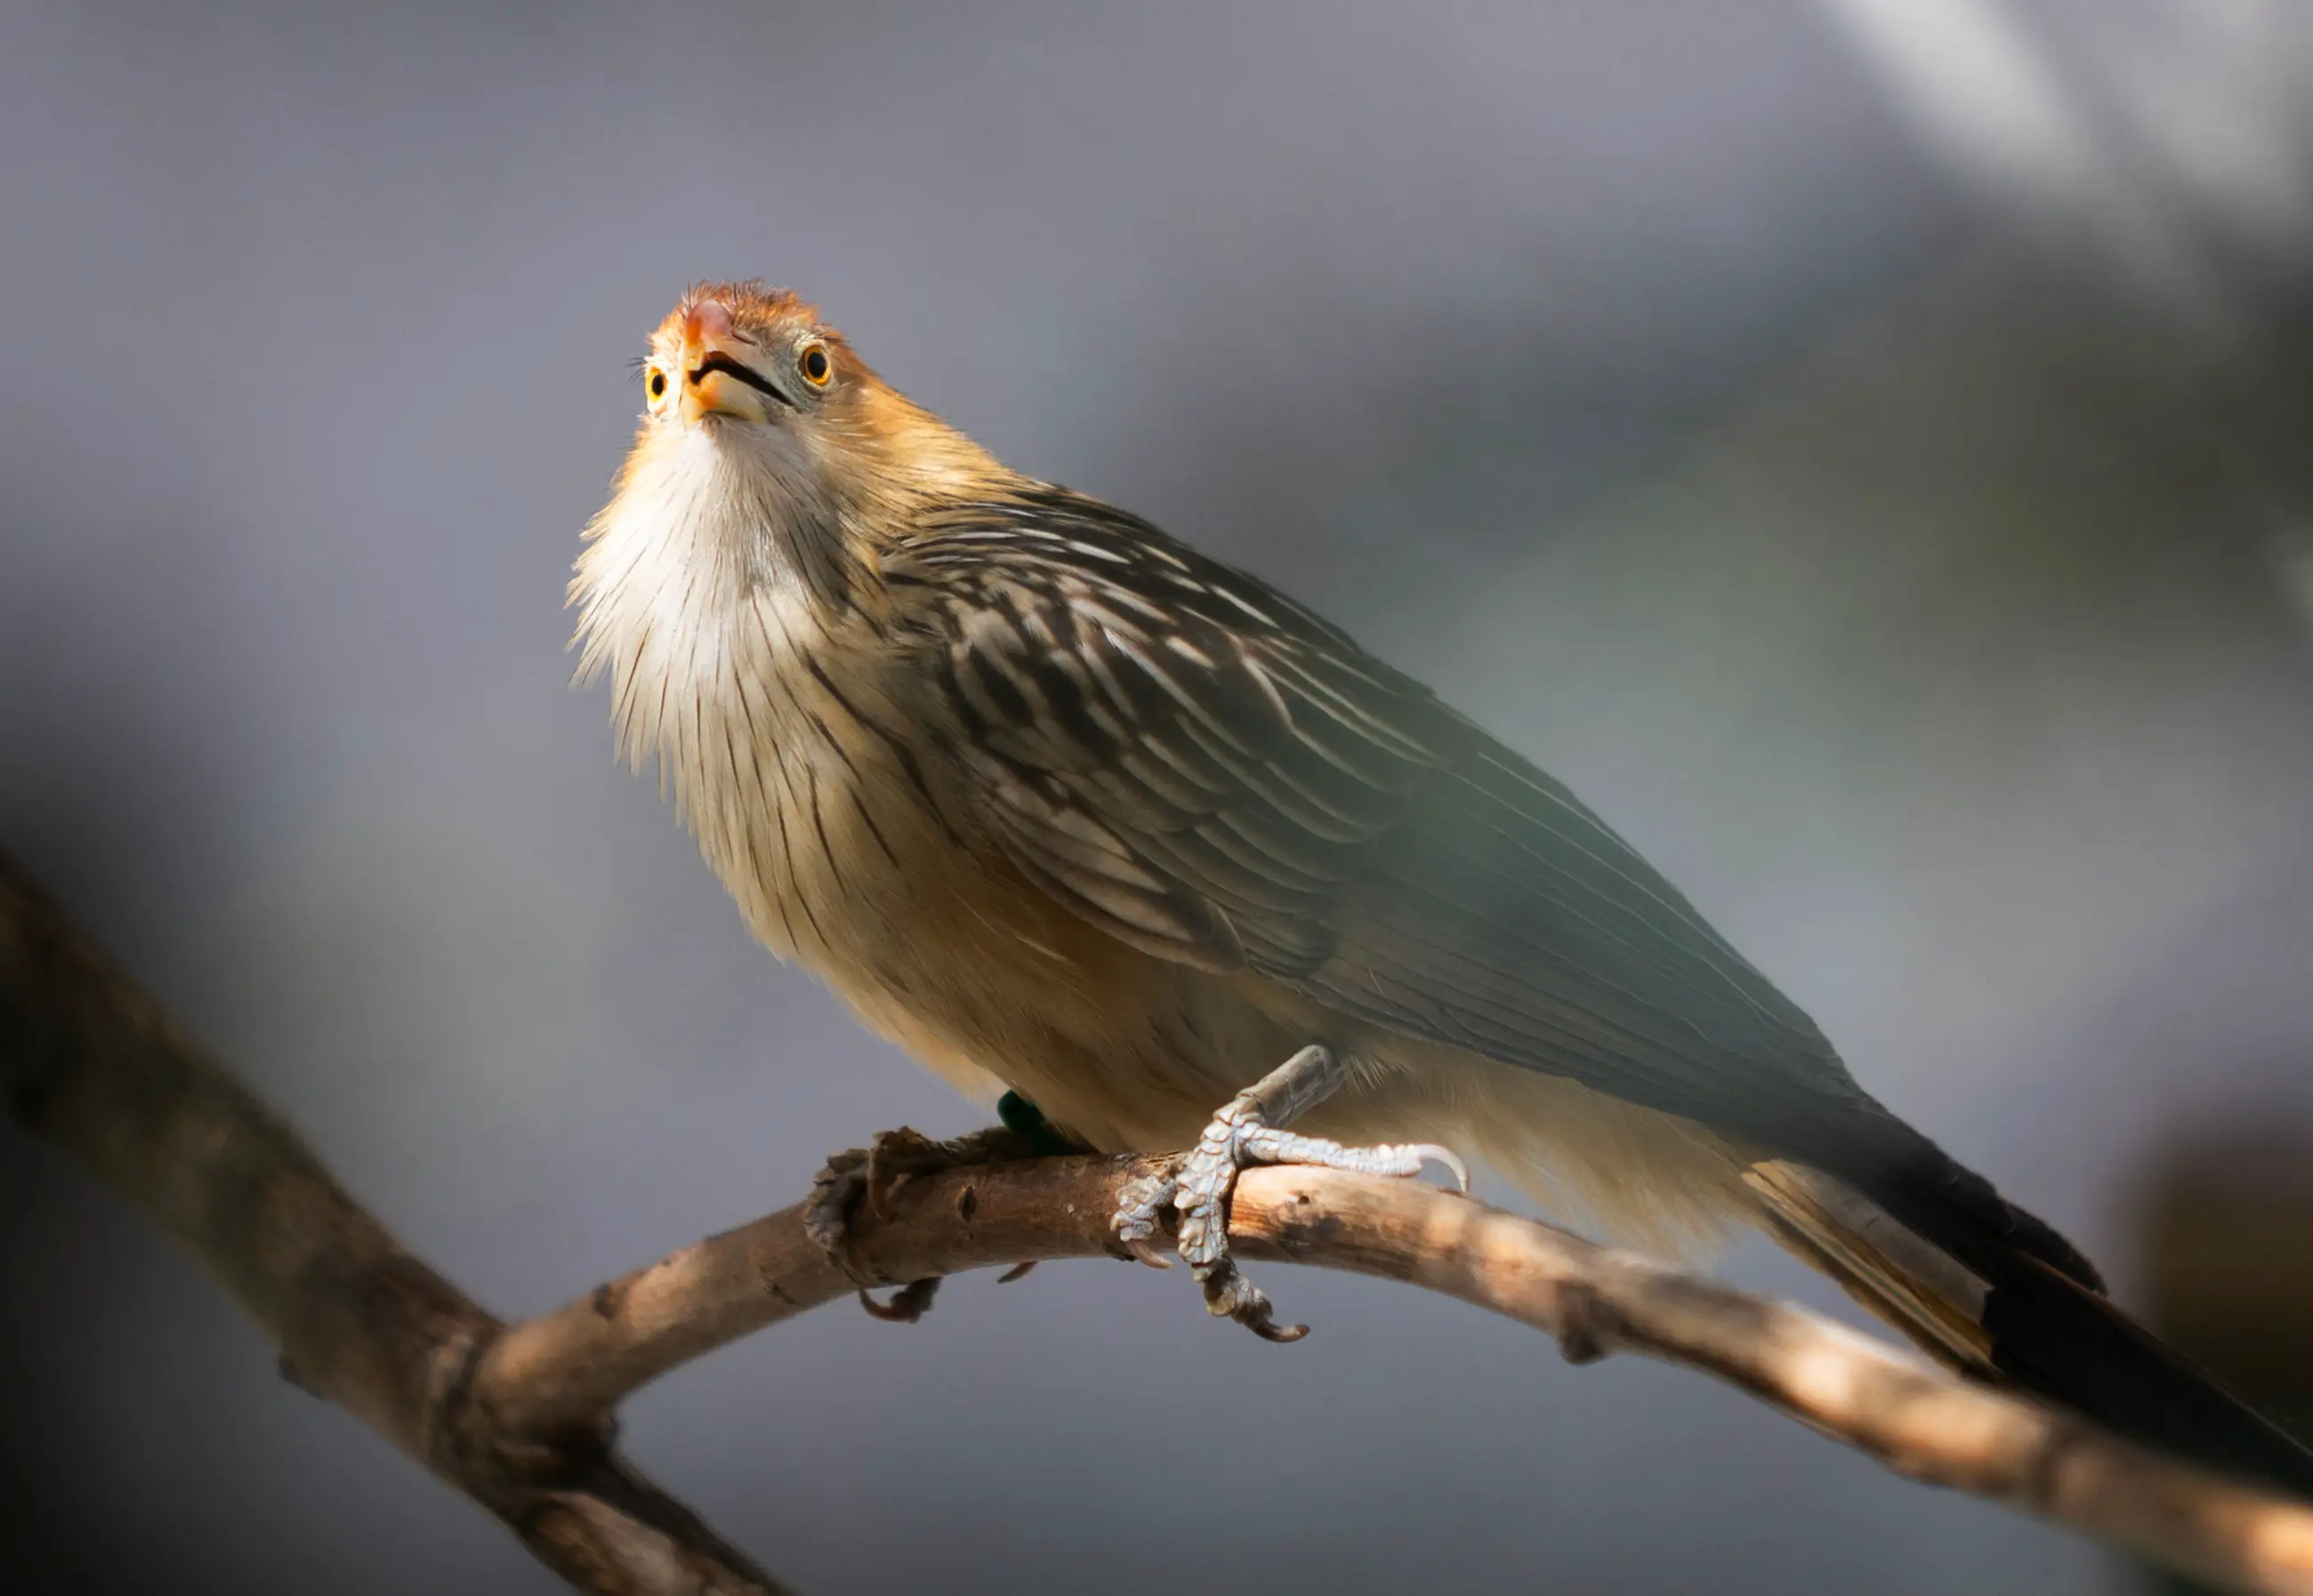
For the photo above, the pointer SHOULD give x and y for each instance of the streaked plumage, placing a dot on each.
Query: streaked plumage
(1060, 805)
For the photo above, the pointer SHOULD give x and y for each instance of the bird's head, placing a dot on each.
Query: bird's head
(768, 453)
(772, 463)
(734, 360)
(770, 470)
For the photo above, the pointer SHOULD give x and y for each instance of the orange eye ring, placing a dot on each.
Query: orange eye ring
(655, 384)
(814, 365)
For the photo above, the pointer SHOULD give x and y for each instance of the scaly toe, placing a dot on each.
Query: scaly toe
(895, 1156)
(1140, 1205)
(1228, 1295)
(871, 1175)
(1251, 1129)
(835, 1193)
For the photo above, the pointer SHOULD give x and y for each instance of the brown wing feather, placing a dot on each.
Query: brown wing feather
(1198, 765)
(1208, 770)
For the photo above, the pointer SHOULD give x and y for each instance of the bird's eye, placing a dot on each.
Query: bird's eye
(814, 366)
(655, 384)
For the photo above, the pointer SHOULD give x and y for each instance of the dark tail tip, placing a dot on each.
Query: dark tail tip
(2054, 1334)
(2054, 1338)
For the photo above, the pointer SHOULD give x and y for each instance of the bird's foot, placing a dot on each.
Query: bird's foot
(871, 1174)
(1251, 1130)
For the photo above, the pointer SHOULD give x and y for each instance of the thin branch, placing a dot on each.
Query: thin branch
(517, 1419)
(562, 1369)
(89, 1064)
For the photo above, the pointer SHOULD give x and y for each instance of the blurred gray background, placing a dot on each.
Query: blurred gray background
(1862, 446)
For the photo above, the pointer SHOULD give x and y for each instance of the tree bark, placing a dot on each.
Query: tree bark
(89, 1064)
(519, 1418)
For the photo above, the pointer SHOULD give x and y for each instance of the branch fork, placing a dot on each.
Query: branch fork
(521, 1418)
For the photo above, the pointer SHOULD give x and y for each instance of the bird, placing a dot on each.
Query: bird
(1094, 823)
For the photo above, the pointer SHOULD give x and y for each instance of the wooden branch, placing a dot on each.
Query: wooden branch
(561, 1370)
(89, 1064)
(518, 1418)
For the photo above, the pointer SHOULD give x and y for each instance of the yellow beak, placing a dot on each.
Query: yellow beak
(716, 377)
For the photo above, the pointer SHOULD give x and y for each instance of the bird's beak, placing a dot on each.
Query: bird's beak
(717, 374)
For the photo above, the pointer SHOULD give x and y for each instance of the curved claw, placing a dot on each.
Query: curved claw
(1228, 1295)
(1445, 1157)
(909, 1303)
(1142, 1253)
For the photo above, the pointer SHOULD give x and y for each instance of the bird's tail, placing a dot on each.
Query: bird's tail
(1930, 1247)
